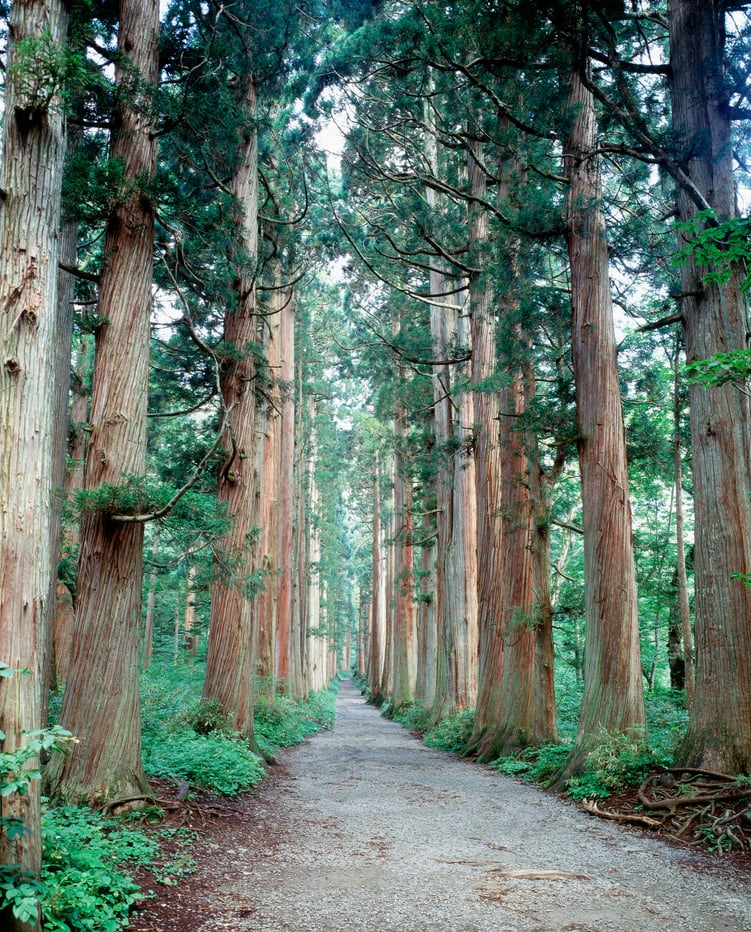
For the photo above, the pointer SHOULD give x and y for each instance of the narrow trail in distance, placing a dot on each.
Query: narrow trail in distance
(364, 829)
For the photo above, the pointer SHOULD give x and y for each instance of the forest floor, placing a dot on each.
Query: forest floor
(364, 828)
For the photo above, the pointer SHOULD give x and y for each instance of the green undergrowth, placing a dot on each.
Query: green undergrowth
(186, 738)
(616, 762)
(285, 720)
(87, 881)
(450, 734)
(90, 861)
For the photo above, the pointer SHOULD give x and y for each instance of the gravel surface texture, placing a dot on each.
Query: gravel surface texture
(363, 828)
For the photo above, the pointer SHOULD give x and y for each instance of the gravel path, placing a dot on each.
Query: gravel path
(366, 829)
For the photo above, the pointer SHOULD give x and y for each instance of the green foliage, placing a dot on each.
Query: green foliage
(15, 774)
(718, 247)
(538, 765)
(187, 738)
(453, 733)
(207, 717)
(216, 762)
(42, 68)
(23, 894)
(135, 495)
(616, 761)
(92, 186)
(412, 716)
(18, 768)
(287, 720)
(87, 862)
(568, 698)
(720, 368)
(84, 874)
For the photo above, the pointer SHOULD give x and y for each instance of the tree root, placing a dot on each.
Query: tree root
(626, 817)
(704, 807)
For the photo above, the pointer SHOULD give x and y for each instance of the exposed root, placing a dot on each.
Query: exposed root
(714, 807)
(629, 818)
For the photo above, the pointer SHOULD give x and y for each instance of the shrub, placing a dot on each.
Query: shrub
(539, 764)
(413, 716)
(453, 733)
(215, 762)
(616, 761)
(285, 720)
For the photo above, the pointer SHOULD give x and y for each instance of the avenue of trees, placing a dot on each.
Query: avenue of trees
(461, 406)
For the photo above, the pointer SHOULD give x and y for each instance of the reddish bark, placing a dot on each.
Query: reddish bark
(613, 698)
(715, 320)
(487, 456)
(287, 498)
(102, 703)
(229, 661)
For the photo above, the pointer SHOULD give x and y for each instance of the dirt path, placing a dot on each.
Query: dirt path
(363, 828)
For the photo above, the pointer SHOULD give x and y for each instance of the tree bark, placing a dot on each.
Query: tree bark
(229, 662)
(427, 628)
(266, 604)
(32, 160)
(487, 456)
(715, 319)
(375, 642)
(405, 614)
(456, 577)
(300, 543)
(541, 485)
(102, 702)
(613, 698)
(684, 633)
(287, 498)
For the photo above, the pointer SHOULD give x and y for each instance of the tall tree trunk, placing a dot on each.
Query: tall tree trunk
(362, 628)
(514, 726)
(70, 444)
(405, 614)
(148, 634)
(317, 617)
(389, 625)
(523, 700)
(427, 664)
(287, 497)
(375, 642)
(229, 662)
(715, 320)
(613, 698)
(67, 246)
(270, 431)
(456, 578)
(190, 636)
(78, 439)
(102, 703)
(487, 455)
(300, 544)
(540, 493)
(32, 159)
(684, 633)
